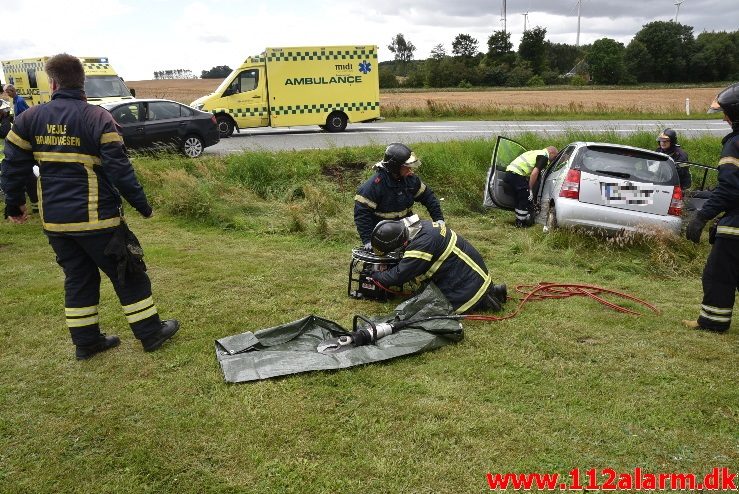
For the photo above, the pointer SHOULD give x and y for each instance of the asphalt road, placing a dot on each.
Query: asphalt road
(382, 133)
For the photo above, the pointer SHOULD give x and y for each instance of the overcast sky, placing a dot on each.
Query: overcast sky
(140, 37)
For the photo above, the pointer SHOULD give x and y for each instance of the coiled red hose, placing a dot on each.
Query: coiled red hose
(545, 290)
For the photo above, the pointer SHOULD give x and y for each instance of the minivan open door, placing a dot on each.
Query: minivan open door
(505, 151)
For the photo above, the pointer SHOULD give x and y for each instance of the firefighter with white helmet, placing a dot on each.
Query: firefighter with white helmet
(721, 273)
(391, 192)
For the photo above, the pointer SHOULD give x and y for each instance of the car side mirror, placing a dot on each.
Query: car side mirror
(229, 92)
(133, 92)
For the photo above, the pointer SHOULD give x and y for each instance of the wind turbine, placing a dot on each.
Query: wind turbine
(677, 4)
(525, 18)
(579, 4)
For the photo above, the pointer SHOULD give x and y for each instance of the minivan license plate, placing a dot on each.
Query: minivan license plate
(614, 193)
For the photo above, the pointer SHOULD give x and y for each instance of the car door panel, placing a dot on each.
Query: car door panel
(497, 193)
(164, 126)
(130, 119)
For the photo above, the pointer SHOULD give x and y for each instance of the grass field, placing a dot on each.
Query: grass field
(253, 240)
(496, 103)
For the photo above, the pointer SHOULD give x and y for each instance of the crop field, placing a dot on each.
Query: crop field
(494, 102)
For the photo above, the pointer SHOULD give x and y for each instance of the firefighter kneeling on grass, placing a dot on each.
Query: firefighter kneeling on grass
(83, 173)
(721, 274)
(433, 252)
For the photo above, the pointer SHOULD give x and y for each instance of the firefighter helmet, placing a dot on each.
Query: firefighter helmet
(389, 236)
(728, 102)
(668, 134)
(397, 155)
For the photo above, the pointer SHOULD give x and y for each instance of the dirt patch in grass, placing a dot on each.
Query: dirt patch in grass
(345, 175)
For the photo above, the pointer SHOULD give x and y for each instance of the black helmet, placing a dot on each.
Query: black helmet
(668, 134)
(389, 236)
(396, 155)
(728, 102)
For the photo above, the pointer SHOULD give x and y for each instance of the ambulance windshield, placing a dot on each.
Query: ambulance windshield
(105, 87)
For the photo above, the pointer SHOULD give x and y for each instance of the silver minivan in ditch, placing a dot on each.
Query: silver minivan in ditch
(601, 186)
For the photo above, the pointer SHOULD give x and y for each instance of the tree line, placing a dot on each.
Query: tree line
(662, 52)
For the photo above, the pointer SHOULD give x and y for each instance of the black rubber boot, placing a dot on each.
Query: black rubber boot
(500, 292)
(89, 351)
(168, 329)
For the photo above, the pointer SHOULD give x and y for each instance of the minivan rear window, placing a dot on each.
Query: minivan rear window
(628, 164)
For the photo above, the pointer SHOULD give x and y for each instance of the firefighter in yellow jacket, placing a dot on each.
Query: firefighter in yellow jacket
(521, 176)
(84, 171)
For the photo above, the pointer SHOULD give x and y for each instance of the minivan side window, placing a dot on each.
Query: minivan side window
(563, 159)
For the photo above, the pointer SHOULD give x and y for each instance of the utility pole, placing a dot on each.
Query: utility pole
(677, 3)
(504, 18)
(579, 3)
(525, 18)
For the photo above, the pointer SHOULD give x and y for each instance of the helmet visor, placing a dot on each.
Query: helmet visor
(715, 107)
(412, 161)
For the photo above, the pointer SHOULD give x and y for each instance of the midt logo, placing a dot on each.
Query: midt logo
(323, 81)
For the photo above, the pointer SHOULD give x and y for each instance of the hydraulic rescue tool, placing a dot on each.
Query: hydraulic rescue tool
(369, 335)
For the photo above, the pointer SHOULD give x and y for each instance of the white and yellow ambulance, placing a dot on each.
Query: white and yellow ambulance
(102, 84)
(327, 86)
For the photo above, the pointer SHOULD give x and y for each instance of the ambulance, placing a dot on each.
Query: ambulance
(328, 86)
(102, 84)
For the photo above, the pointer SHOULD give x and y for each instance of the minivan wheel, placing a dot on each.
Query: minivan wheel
(225, 125)
(336, 122)
(551, 223)
(193, 146)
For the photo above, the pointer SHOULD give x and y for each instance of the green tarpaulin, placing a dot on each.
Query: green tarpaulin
(291, 348)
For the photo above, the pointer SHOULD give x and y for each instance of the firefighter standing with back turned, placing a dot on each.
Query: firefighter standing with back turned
(721, 273)
(83, 173)
(391, 192)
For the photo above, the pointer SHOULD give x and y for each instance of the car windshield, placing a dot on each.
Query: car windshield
(105, 87)
(628, 164)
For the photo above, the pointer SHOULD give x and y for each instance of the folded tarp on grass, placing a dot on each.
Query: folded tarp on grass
(291, 348)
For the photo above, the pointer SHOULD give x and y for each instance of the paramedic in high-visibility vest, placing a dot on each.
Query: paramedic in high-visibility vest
(521, 175)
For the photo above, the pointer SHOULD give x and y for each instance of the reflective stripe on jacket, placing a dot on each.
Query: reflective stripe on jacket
(725, 197)
(525, 163)
(383, 197)
(82, 164)
(438, 254)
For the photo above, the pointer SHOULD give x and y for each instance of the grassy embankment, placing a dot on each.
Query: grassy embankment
(256, 239)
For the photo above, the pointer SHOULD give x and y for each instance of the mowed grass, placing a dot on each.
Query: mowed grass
(254, 240)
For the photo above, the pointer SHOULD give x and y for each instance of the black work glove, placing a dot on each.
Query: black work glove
(695, 228)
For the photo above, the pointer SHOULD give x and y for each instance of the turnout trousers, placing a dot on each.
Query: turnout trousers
(82, 259)
(720, 284)
(520, 188)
